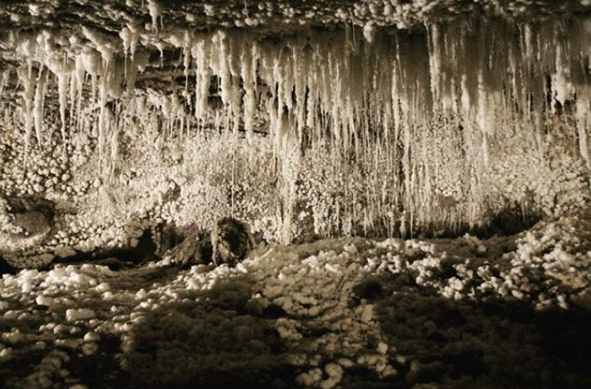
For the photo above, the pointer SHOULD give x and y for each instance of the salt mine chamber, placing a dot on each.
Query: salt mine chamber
(125, 125)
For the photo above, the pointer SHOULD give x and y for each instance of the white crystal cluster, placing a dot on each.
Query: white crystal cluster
(296, 310)
(548, 268)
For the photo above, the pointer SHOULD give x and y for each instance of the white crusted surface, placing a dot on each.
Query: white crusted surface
(303, 314)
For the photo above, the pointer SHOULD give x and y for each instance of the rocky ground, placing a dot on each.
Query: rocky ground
(507, 312)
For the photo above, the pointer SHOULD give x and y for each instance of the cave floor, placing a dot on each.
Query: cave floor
(507, 312)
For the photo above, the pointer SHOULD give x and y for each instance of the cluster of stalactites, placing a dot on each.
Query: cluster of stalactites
(343, 86)
(492, 72)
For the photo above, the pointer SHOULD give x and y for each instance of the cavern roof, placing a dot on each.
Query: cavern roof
(111, 17)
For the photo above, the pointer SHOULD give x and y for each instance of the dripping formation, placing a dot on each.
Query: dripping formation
(373, 131)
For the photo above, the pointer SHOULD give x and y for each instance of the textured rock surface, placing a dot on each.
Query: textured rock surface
(114, 14)
(457, 313)
(137, 20)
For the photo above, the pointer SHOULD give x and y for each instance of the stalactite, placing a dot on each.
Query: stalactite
(369, 96)
(39, 102)
(27, 79)
(155, 9)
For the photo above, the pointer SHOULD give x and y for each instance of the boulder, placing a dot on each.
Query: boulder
(231, 241)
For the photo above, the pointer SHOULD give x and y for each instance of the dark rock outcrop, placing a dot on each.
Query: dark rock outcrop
(194, 249)
(229, 242)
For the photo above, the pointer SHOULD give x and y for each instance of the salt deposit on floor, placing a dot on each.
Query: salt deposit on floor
(335, 313)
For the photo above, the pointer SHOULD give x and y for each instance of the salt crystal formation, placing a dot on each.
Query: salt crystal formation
(378, 130)
(383, 123)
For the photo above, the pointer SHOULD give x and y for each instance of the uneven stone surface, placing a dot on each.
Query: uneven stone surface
(350, 313)
(195, 249)
(112, 15)
(315, 133)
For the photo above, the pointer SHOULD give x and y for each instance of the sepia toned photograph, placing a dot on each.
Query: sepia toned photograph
(277, 194)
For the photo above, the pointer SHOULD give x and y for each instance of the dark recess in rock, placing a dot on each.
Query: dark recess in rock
(31, 204)
(33, 214)
(5, 267)
(118, 259)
